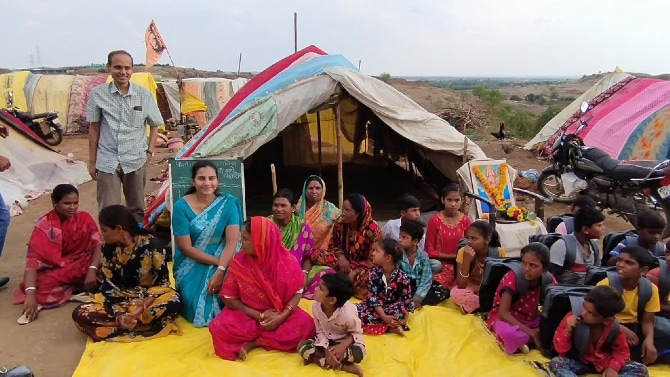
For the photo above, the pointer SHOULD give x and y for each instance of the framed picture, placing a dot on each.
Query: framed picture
(491, 179)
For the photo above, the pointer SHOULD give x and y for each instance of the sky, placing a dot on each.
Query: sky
(527, 38)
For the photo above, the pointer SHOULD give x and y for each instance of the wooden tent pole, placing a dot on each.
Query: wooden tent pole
(340, 179)
(318, 132)
(274, 179)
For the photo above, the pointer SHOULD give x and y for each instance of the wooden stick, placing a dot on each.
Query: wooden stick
(239, 65)
(274, 179)
(295, 31)
(340, 179)
(465, 149)
(318, 132)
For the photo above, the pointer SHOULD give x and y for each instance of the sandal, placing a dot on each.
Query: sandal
(82, 297)
(23, 320)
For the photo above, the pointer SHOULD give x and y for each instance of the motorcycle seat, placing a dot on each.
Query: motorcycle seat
(620, 169)
(31, 117)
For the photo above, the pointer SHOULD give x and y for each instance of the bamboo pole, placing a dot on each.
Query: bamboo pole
(295, 31)
(239, 65)
(274, 179)
(340, 179)
(318, 134)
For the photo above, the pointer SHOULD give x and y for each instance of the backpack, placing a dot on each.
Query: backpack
(556, 304)
(663, 279)
(581, 332)
(570, 246)
(494, 270)
(554, 221)
(612, 239)
(594, 274)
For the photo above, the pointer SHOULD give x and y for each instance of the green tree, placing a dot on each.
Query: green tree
(553, 94)
(385, 77)
(514, 97)
(479, 91)
(541, 100)
(492, 97)
(530, 97)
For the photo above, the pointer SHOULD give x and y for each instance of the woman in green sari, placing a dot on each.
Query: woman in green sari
(298, 238)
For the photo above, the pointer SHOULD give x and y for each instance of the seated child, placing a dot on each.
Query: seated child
(338, 343)
(516, 320)
(650, 227)
(416, 267)
(389, 298)
(470, 264)
(600, 307)
(582, 201)
(444, 231)
(662, 320)
(632, 265)
(588, 226)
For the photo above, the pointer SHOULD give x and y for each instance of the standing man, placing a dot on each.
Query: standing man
(118, 148)
(4, 211)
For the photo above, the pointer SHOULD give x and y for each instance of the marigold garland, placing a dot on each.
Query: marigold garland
(496, 194)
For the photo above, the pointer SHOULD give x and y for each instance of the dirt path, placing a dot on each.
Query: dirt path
(51, 345)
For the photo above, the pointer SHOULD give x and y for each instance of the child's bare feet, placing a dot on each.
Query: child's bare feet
(397, 330)
(353, 369)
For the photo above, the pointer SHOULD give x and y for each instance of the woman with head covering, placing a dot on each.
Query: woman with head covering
(354, 236)
(261, 294)
(298, 238)
(319, 213)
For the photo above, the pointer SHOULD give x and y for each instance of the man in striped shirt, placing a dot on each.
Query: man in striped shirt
(118, 148)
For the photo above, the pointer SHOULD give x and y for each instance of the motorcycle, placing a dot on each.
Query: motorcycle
(45, 125)
(622, 187)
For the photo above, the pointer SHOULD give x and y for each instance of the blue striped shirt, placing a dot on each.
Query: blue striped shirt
(421, 272)
(123, 119)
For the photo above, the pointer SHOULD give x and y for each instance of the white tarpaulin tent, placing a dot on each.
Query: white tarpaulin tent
(36, 169)
(263, 120)
(553, 125)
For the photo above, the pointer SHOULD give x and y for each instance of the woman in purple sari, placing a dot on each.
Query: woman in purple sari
(297, 237)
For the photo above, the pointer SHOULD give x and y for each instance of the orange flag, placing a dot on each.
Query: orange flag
(155, 45)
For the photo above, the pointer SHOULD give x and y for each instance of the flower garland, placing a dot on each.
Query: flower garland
(496, 194)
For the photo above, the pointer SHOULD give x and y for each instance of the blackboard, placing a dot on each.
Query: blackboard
(231, 178)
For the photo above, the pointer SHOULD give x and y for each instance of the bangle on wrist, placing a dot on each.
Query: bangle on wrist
(222, 268)
(93, 267)
(290, 308)
(28, 289)
(465, 276)
(261, 316)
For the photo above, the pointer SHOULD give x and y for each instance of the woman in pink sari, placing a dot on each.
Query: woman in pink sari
(261, 294)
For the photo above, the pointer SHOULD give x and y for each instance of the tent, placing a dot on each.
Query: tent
(306, 91)
(36, 169)
(629, 119)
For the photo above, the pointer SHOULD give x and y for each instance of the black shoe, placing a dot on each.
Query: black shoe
(3, 281)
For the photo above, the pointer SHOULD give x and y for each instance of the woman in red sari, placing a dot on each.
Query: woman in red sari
(354, 236)
(63, 256)
(261, 294)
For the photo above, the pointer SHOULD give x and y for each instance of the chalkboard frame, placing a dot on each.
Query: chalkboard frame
(216, 161)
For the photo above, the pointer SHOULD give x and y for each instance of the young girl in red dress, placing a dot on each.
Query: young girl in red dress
(444, 231)
(515, 318)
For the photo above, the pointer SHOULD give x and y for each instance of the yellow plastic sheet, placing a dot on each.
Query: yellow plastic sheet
(14, 82)
(191, 104)
(52, 92)
(442, 342)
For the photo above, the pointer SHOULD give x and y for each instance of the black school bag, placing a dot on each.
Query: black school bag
(570, 246)
(558, 299)
(554, 221)
(556, 304)
(663, 279)
(594, 274)
(612, 239)
(494, 270)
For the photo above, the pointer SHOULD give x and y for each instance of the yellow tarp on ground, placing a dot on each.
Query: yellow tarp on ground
(442, 342)
(52, 92)
(14, 82)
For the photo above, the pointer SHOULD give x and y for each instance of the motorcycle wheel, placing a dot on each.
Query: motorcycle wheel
(550, 185)
(55, 137)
